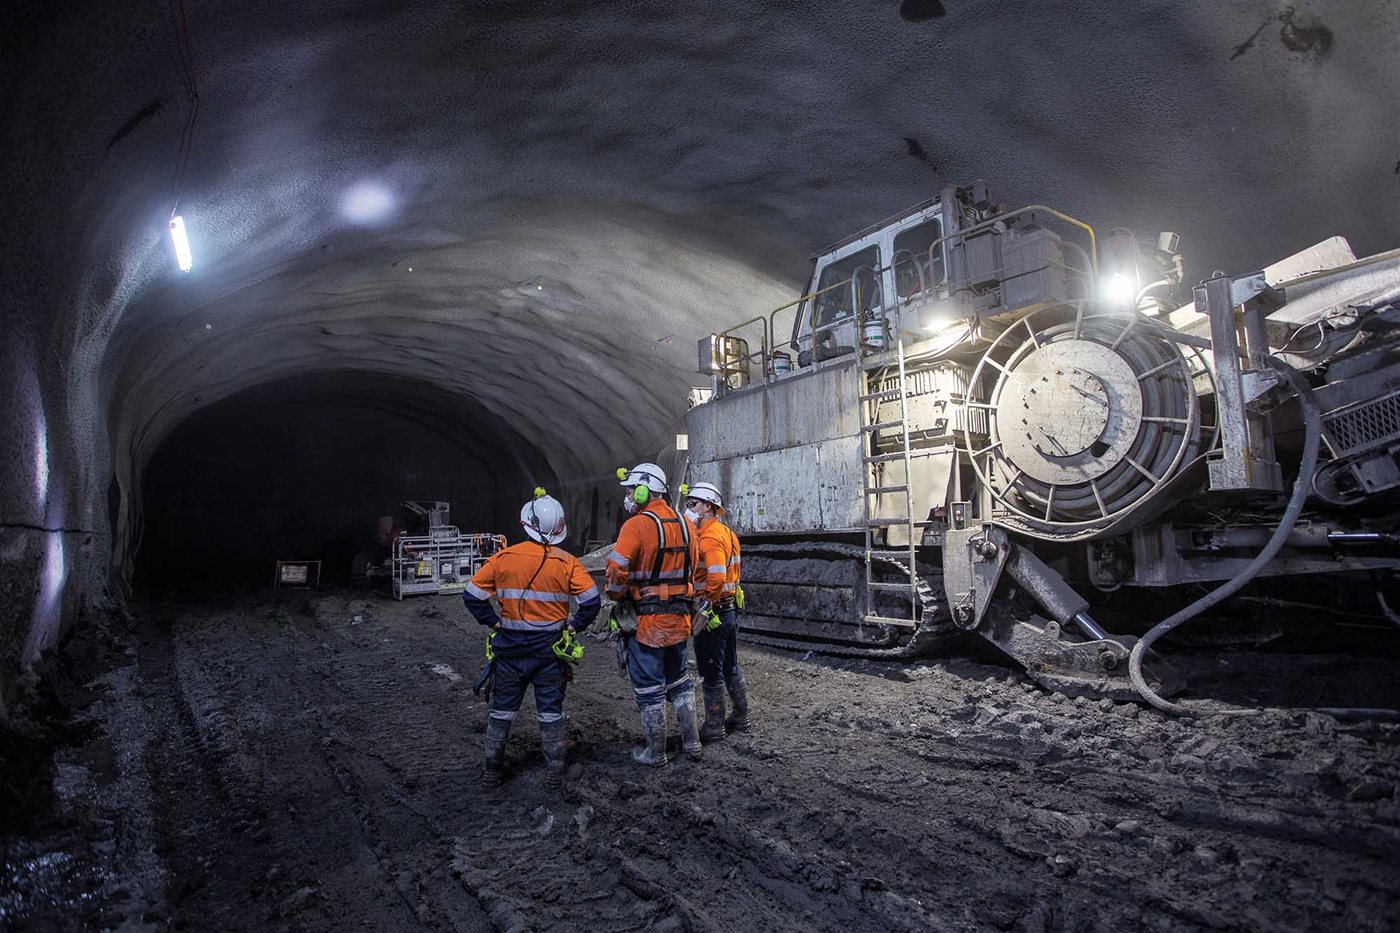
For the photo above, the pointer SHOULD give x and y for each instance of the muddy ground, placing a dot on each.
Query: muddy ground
(311, 763)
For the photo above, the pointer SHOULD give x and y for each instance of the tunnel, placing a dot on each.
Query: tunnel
(456, 252)
(275, 470)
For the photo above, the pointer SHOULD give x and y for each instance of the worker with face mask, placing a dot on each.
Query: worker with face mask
(654, 566)
(532, 638)
(716, 645)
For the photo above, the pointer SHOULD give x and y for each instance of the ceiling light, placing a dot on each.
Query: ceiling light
(182, 243)
(367, 202)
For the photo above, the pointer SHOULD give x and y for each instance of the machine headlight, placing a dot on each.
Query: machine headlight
(1118, 289)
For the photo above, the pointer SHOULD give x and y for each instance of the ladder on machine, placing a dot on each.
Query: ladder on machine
(872, 377)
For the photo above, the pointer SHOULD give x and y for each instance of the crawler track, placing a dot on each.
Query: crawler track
(811, 595)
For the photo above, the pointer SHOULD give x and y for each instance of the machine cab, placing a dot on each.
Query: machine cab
(857, 284)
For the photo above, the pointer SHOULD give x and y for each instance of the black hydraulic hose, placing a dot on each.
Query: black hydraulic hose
(1312, 423)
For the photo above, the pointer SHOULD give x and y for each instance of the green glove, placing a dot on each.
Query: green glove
(712, 621)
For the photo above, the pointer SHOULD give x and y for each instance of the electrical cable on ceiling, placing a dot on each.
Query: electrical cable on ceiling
(191, 81)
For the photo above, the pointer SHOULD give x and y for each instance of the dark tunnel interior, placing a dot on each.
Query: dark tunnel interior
(306, 468)
(1030, 607)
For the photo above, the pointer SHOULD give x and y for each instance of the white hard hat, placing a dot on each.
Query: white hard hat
(543, 518)
(707, 492)
(644, 474)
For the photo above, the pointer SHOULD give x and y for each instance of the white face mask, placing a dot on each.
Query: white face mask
(629, 505)
(693, 515)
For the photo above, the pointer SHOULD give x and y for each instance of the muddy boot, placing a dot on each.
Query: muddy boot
(552, 741)
(492, 768)
(654, 730)
(685, 722)
(713, 729)
(738, 720)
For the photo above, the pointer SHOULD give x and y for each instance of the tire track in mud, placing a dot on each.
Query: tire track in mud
(377, 789)
(860, 800)
(202, 816)
(633, 872)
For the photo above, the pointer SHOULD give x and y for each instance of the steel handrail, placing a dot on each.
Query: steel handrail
(1034, 208)
(925, 289)
(763, 344)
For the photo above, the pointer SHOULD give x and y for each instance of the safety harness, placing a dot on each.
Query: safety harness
(681, 605)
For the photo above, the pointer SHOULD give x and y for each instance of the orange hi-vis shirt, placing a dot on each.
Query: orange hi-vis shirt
(552, 581)
(655, 590)
(719, 553)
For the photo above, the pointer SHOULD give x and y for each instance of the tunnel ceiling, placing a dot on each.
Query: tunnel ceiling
(543, 205)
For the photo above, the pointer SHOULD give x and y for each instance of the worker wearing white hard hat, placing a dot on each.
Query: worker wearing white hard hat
(654, 566)
(531, 641)
(717, 644)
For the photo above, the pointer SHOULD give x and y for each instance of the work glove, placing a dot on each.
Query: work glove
(567, 648)
(738, 597)
(712, 620)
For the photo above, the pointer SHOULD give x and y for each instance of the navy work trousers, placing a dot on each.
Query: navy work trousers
(717, 650)
(657, 673)
(515, 675)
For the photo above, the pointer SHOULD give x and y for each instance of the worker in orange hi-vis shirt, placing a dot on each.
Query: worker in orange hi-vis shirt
(532, 638)
(654, 565)
(716, 645)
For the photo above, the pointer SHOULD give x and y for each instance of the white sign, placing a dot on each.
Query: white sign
(294, 573)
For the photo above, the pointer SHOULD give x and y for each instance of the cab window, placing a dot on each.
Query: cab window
(833, 305)
(912, 267)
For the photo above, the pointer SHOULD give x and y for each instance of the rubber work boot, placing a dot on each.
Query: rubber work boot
(738, 720)
(654, 732)
(552, 740)
(685, 721)
(492, 767)
(713, 729)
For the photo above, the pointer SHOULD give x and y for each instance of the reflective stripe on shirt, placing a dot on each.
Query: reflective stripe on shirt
(532, 625)
(543, 596)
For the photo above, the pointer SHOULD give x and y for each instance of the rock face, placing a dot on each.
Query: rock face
(539, 207)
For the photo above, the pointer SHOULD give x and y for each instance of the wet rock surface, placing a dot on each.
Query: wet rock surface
(249, 768)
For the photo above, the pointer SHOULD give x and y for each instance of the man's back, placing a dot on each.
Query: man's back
(655, 562)
(534, 584)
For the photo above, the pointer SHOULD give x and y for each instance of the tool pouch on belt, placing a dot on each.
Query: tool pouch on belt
(700, 619)
(622, 624)
(624, 618)
(620, 646)
(486, 682)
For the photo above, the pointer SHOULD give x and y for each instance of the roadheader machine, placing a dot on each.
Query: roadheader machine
(1004, 422)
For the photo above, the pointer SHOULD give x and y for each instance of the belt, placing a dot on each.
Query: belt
(676, 605)
(726, 604)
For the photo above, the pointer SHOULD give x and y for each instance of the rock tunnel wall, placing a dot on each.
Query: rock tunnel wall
(540, 206)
